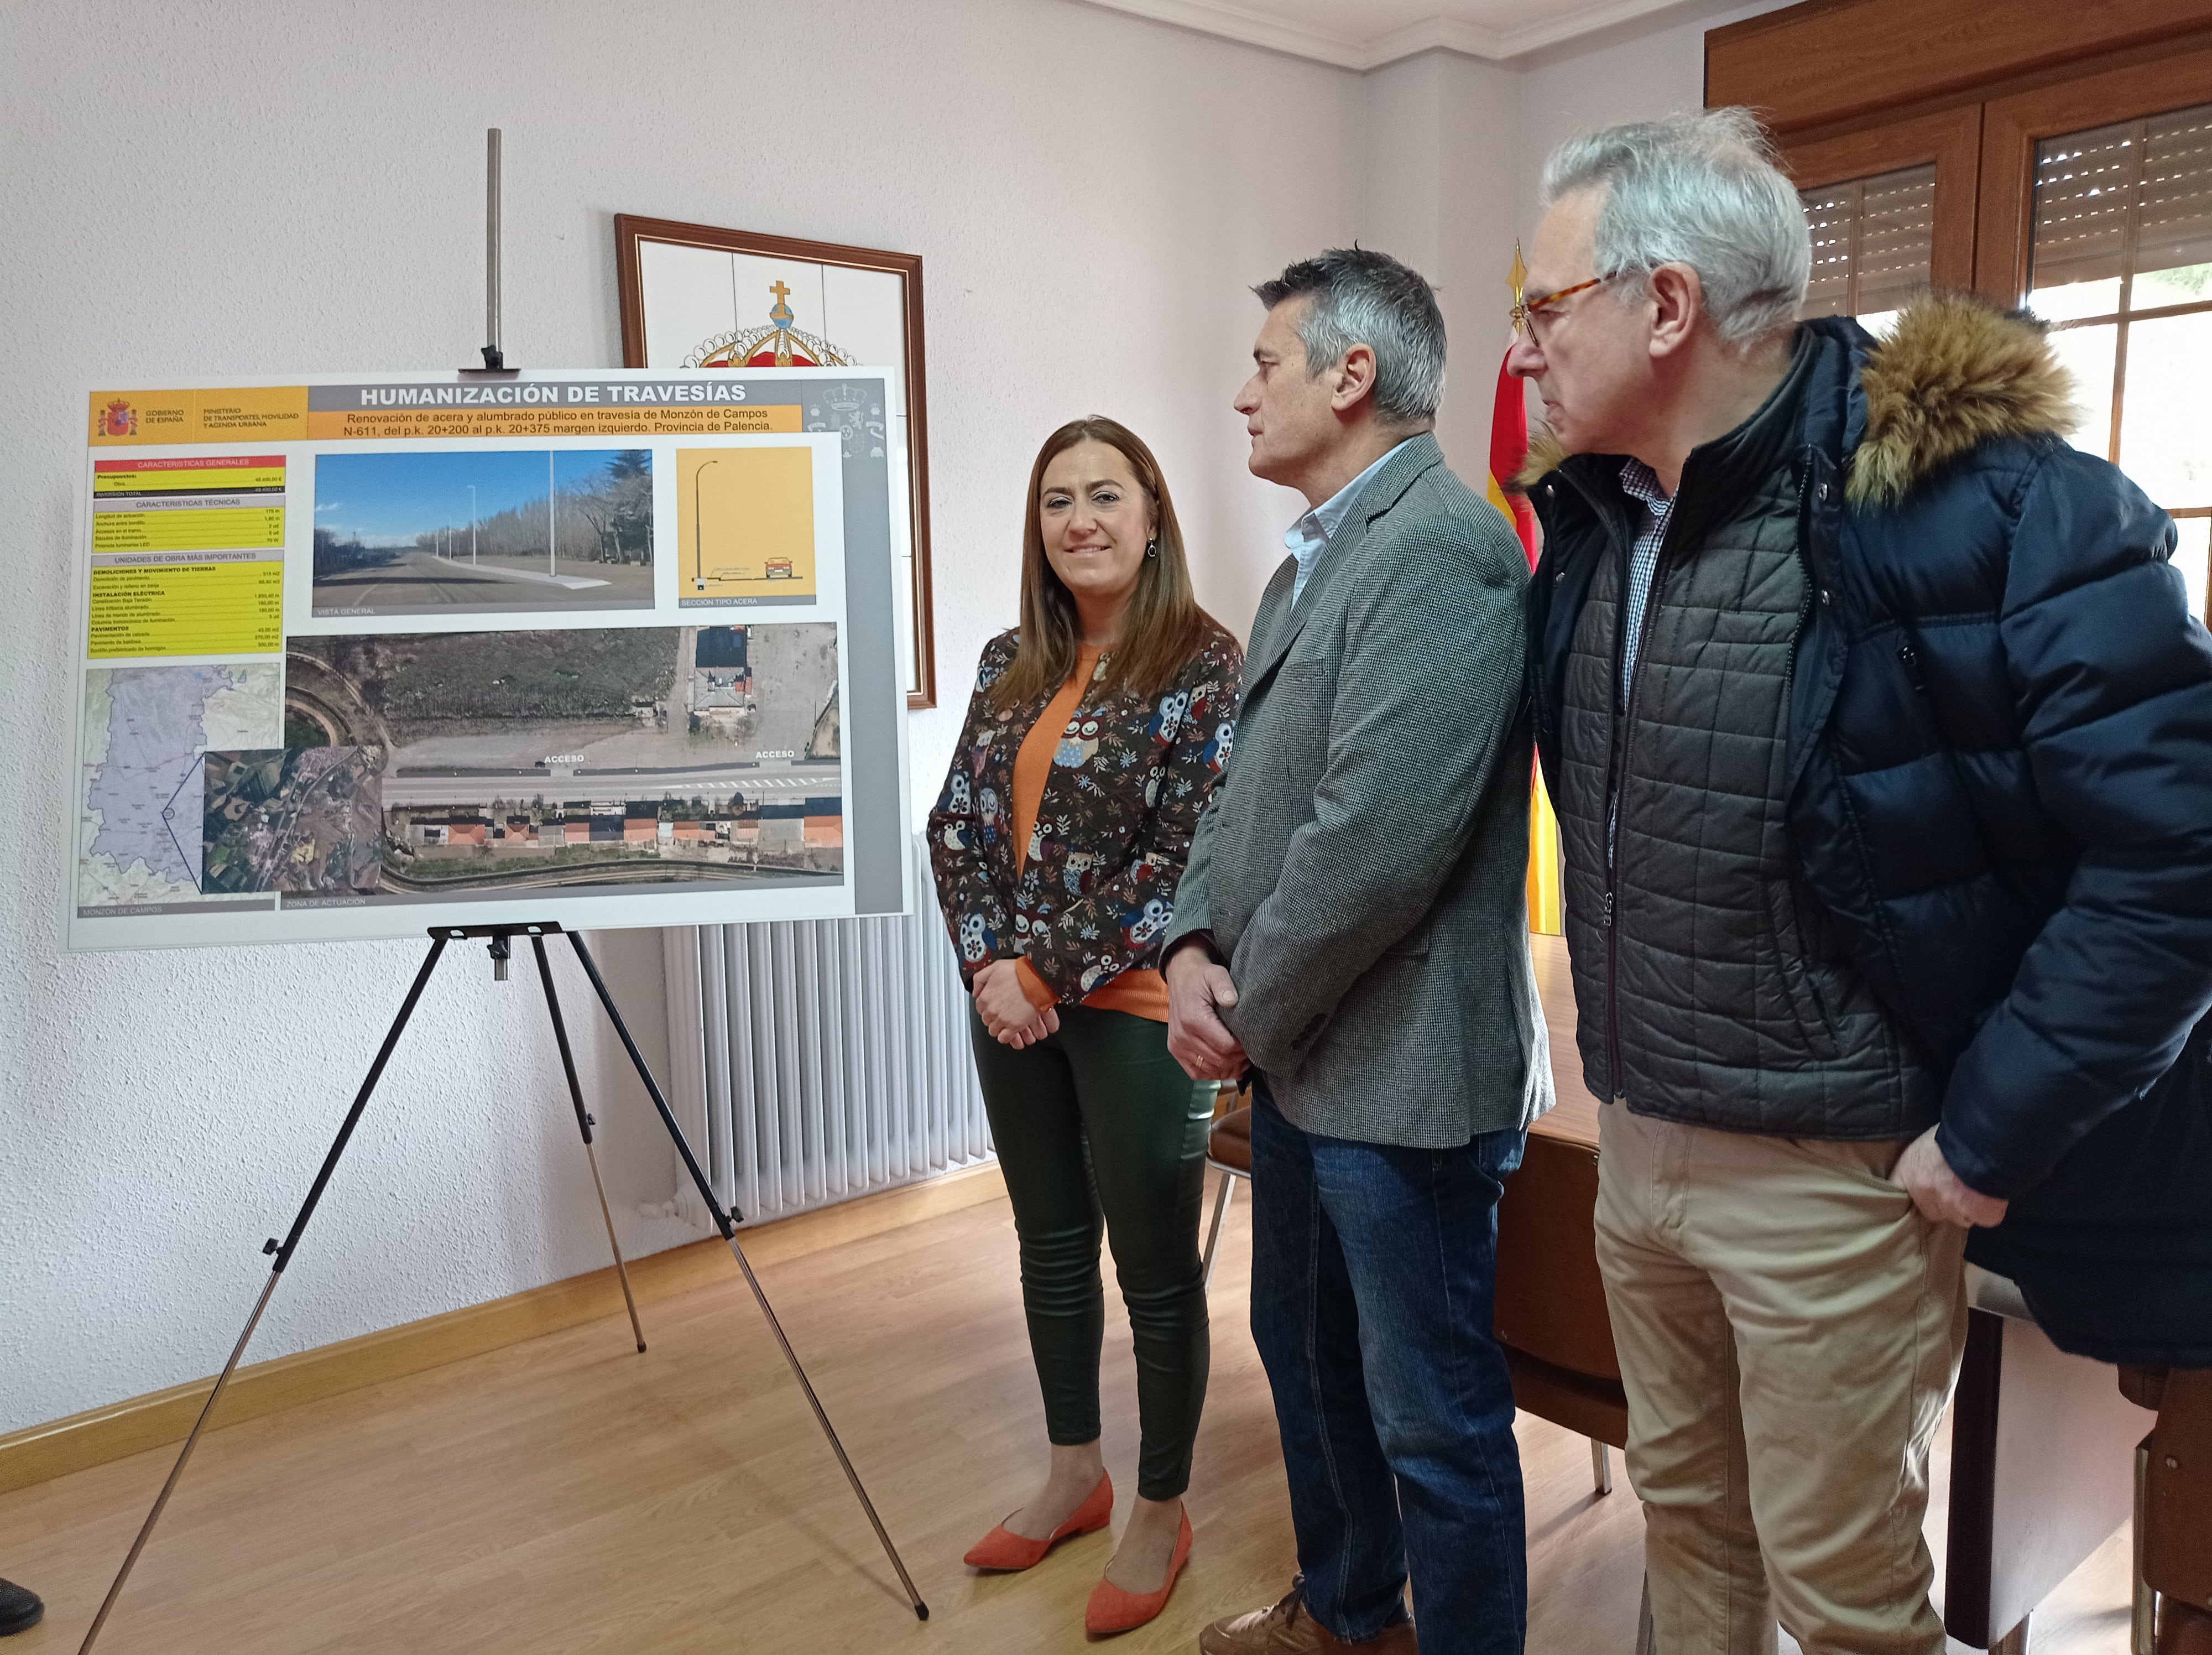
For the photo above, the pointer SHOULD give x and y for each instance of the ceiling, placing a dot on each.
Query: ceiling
(1366, 34)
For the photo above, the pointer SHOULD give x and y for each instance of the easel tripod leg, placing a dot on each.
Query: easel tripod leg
(723, 1222)
(283, 1252)
(162, 1500)
(584, 1126)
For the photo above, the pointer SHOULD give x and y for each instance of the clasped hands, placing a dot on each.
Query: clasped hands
(1005, 1009)
(1199, 988)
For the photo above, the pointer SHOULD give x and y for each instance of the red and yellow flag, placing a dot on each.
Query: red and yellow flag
(1509, 453)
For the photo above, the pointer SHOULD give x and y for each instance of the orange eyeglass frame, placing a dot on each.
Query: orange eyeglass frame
(1524, 309)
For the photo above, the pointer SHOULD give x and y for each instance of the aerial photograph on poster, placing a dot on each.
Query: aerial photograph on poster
(744, 521)
(146, 730)
(289, 818)
(615, 755)
(484, 531)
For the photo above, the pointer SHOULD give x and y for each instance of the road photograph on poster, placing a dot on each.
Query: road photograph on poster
(484, 531)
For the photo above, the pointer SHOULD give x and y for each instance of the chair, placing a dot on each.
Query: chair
(1550, 1305)
(2172, 1511)
(1228, 1152)
(1551, 1316)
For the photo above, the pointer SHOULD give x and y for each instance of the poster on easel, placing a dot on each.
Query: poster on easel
(359, 655)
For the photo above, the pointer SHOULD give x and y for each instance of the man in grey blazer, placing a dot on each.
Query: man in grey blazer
(1352, 929)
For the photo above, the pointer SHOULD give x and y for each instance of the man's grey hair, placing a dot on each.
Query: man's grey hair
(1359, 297)
(1698, 188)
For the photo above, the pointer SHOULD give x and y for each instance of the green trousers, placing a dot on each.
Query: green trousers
(1098, 1121)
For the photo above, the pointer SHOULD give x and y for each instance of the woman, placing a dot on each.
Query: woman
(1097, 732)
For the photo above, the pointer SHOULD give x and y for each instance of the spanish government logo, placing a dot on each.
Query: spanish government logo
(118, 419)
(776, 345)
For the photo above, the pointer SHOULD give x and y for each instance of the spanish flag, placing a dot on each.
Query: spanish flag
(1509, 453)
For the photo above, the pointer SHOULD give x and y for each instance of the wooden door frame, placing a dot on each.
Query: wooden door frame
(2013, 126)
(1952, 139)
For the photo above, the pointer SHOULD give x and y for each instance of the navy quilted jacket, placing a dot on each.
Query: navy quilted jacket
(2000, 774)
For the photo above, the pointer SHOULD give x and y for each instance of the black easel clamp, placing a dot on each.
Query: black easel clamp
(499, 938)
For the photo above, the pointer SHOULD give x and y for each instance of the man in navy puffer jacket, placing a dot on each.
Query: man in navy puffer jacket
(1881, 739)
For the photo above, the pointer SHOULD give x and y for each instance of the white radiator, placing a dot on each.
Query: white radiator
(815, 1061)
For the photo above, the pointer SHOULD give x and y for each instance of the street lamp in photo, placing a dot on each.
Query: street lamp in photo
(698, 529)
(472, 525)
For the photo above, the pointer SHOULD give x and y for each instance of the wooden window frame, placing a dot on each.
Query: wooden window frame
(1852, 88)
(2012, 128)
(1829, 62)
(1951, 140)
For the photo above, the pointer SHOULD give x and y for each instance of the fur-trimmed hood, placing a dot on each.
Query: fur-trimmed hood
(1956, 372)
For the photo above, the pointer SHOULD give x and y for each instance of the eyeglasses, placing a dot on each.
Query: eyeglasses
(1526, 311)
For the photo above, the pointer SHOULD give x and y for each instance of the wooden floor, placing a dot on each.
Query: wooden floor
(569, 1495)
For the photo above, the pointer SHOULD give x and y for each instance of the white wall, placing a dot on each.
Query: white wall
(257, 188)
(243, 188)
(1631, 72)
(1442, 177)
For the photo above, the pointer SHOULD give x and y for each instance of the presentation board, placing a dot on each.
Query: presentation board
(363, 654)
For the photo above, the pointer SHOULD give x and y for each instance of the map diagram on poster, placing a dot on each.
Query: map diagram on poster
(366, 656)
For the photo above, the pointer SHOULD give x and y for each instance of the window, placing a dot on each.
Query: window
(2120, 261)
(1873, 240)
(2056, 155)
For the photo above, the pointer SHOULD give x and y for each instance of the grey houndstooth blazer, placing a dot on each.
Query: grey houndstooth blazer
(1362, 867)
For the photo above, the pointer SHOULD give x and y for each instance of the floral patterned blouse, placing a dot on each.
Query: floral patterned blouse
(1127, 783)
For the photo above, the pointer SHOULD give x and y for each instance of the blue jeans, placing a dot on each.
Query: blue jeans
(1374, 1269)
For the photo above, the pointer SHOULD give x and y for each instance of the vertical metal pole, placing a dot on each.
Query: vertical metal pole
(492, 354)
(1213, 1233)
(550, 569)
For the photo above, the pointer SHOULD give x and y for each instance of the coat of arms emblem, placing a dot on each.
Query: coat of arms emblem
(778, 344)
(118, 419)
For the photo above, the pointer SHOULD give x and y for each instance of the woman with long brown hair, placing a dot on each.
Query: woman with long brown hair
(1097, 732)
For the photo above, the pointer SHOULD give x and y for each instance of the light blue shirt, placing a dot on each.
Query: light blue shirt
(1308, 538)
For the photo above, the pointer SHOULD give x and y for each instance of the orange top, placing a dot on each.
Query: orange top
(1141, 993)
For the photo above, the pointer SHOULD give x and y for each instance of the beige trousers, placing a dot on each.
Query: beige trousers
(1788, 1329)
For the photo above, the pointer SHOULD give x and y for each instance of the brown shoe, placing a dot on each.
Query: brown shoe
(1287, 1629)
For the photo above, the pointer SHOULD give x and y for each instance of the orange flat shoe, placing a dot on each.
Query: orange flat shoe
(1002, 1549)
(1112, 1609)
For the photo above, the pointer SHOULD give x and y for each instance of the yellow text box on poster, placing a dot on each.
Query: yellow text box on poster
(416, 424)
(210, 479)
(744, 522)
(188, 609)
(218, 528)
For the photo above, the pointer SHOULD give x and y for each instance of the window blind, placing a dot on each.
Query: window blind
(1872, 239)
(2124, 199)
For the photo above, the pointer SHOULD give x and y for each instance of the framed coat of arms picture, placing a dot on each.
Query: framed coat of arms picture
(694, 296)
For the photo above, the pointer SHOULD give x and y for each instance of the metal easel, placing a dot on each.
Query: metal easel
(499, 939)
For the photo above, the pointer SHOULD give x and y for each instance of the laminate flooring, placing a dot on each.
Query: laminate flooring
(568, 1495)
